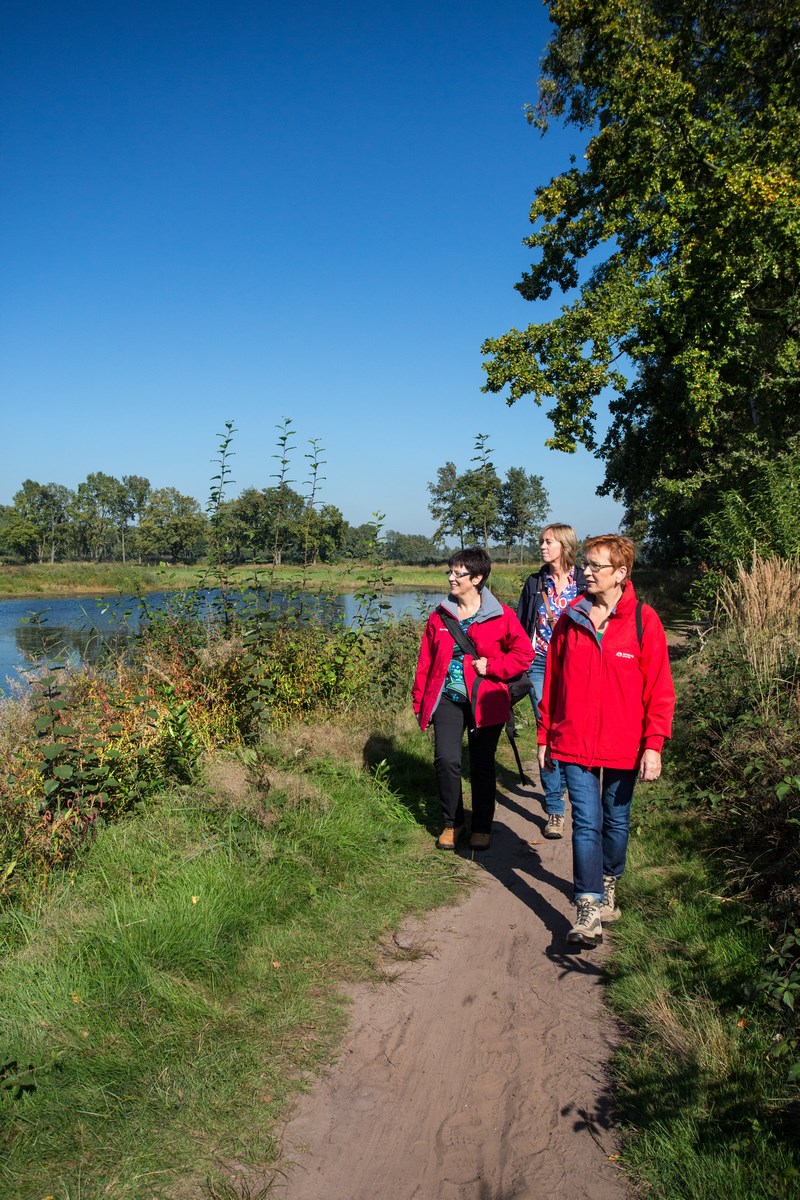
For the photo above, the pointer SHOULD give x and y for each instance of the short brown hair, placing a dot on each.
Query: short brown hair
(621, 550)
(566, 535)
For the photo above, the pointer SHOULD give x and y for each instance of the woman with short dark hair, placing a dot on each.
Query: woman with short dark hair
(455, 691)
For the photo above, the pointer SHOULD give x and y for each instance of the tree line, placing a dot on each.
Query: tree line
(106, 519)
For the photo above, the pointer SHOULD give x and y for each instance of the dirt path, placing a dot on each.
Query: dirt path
(479, 1072)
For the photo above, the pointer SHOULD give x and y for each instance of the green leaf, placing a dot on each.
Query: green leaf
(63, 771)
(53, 750)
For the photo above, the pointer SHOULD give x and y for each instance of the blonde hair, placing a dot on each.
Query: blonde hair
(567, 538)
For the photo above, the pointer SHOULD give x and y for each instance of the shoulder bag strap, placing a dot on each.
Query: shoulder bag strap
(464, 640)
(552, 617)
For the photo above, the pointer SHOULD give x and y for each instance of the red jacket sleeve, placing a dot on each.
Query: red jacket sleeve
(515, 653)
(423, 666)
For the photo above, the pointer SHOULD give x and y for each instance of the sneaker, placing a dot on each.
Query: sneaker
(587, 930)
(609, 909)
(555, 826)
(448, 837)
(480, 841)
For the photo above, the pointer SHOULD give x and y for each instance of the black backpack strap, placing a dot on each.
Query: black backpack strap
(639, 623)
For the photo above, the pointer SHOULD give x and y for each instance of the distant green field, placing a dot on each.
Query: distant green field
(73, 579)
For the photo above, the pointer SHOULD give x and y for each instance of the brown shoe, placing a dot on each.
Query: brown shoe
(448, 837)
(480, 841)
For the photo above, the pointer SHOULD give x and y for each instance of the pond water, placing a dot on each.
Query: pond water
(74, 628)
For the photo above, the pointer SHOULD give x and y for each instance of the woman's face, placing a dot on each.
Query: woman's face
(601, 574)
(462, 584)
(551, 549)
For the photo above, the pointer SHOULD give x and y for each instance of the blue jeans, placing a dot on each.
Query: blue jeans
(553, 782)
(601, 814)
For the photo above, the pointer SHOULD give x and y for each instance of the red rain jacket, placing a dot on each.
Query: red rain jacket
(604, 703)
(498, 637)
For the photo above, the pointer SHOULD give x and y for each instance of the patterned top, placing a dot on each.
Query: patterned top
(455, 687)
(544, 628)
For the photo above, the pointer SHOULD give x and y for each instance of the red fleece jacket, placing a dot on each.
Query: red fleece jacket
(500, 639)
(604, 703)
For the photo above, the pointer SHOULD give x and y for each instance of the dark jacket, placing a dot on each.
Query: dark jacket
(529, 600)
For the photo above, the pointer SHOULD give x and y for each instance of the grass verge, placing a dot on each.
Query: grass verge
(701, 1084)
(161, 1003)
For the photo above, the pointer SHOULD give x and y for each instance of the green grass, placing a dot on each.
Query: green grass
(81, 579)
(163, 1002)
(700, 1091)
(72, 579)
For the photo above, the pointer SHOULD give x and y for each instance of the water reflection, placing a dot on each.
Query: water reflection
(73, 630)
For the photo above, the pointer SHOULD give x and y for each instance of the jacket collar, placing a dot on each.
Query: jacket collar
(490, 607)
(581, 606)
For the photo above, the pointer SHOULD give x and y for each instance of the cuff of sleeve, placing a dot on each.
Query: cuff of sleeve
(541, 737)
(654, 743)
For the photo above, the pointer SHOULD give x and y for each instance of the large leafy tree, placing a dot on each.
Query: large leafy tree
(99, 513)
(467, 505)
(523, 505)
(677, 242)
(172, 527)
(35, 525)
(448, 503)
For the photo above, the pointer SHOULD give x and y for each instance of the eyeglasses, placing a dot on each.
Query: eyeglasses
(595, 567)
(457, 574)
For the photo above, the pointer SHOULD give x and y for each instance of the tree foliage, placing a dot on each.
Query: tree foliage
(474, 506)
(523, 506)
(677, 241)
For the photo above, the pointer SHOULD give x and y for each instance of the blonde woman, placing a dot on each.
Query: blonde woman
(546, 594)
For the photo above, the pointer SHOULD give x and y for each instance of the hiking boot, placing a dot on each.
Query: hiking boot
(555, 826)
(448, 837)
(480, 841)
(609, 909)
(587, 930)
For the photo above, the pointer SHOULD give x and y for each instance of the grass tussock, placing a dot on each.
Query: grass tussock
(161, 1003)
(757, 612)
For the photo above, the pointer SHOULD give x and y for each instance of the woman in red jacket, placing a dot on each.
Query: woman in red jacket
(606, 709)
(455, 691)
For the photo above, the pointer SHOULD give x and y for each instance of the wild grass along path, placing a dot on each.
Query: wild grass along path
(478, 1070)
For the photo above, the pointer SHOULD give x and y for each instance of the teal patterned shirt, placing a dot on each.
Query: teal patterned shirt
(455, 687)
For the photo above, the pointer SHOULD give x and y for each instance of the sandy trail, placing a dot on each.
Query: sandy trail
(480, 1071)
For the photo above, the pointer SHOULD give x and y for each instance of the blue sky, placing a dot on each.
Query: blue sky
(241, 210)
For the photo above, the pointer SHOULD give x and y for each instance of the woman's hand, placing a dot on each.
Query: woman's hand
(480, 665)
(650, 766)
(545, 761)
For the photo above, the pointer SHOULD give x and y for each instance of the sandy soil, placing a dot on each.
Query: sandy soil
(478, 1071)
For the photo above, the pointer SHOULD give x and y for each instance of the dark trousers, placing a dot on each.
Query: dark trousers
(449, 722)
